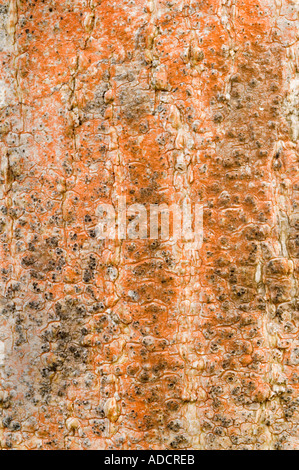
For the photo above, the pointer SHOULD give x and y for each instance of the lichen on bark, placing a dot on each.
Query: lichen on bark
(143, 344)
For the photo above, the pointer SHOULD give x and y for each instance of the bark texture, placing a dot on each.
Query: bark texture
(143, 344)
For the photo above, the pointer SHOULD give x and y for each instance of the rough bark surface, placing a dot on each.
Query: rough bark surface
(143, 344)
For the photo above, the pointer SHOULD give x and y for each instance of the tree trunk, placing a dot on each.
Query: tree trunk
(144, 343)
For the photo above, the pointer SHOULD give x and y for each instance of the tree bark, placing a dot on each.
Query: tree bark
(144, 344)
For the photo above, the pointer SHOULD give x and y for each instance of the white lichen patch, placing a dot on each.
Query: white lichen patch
(2, 94)
(2, 353)
(5, 40)
(292, 108)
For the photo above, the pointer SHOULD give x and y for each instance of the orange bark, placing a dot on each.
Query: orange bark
(144, 344)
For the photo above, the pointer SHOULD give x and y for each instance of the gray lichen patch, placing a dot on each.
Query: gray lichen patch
(135, 103)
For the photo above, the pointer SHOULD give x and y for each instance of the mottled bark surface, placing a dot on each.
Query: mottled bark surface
(143, 344)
